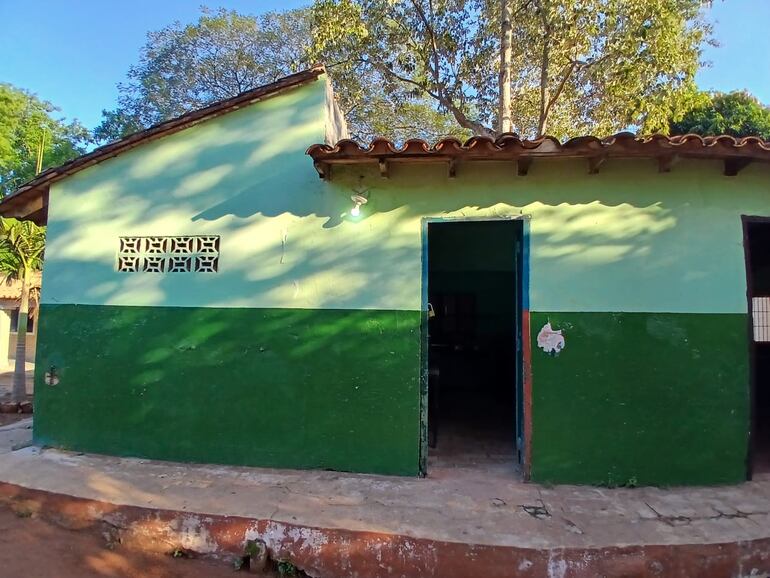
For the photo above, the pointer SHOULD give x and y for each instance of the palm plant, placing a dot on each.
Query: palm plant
(21, 254)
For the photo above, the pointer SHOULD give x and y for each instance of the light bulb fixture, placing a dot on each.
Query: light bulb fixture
(358, 201)
(359, 197)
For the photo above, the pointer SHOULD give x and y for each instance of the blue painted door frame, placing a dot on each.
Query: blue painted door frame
(521, 268)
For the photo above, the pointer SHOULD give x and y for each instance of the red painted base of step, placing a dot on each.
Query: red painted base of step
(335, 553)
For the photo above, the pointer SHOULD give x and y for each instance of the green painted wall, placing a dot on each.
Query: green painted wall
(287, 237)
(268, 387)
(243, 176)
(624, 242)
(641, 398)
(674, 238)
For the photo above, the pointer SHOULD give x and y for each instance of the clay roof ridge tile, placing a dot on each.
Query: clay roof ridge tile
(545, 143)
(479, 142)
(415, 146)
(507, 139)
(447, 144)
(322, 148)
(511, 145)
(586, 142)
(377, 146)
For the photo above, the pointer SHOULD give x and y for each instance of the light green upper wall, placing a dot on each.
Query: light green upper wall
(231, 176)
(627, 239)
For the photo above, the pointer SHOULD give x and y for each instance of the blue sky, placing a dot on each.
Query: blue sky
(74, 53)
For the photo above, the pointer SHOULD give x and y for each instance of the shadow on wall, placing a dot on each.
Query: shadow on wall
(288, 240)
(274, 388)
(321, 320)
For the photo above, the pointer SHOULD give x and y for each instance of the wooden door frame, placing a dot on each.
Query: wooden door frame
(524, 354)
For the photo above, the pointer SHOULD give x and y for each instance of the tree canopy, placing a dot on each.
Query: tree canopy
(25, 122)
(575, 67)
(431, 68)
(736, 113)
(183, 67)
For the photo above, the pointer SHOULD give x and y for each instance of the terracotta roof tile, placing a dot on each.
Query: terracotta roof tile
(735, 151)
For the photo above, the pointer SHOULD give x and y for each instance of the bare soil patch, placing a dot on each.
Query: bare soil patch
(34, 548)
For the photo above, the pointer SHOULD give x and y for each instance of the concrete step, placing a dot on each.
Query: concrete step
(455, 523)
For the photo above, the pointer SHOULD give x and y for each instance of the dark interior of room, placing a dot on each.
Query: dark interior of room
(759, 266)
(472, 285)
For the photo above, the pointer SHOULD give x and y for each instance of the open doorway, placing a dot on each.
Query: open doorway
(757, 245)
(473, 271)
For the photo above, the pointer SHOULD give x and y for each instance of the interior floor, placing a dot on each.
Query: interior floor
(473, 433)
(762, 451)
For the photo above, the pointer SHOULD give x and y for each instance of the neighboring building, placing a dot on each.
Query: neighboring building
(208, 298)
(10, 296)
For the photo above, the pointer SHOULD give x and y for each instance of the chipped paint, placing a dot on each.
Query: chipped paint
(334, 552)
(276, 535)
(550, 340)
(557, 565)
(631, 375)
(193, 534)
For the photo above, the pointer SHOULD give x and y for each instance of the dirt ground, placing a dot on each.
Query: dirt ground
(33, 548)
(9, 418)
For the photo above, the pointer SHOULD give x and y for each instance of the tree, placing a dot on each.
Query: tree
(434, 68)
(21, 253)
(185, 67)
(25, 123)
(736, 113)
(594, 66)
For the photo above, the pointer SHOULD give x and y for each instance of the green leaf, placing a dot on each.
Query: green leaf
(736, 113)
(26, 123)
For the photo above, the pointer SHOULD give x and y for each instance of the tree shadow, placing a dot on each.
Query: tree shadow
(304, 348)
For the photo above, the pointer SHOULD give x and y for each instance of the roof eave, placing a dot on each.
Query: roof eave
(736, 153)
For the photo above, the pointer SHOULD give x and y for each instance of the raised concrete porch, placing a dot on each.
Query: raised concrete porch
(456, 522)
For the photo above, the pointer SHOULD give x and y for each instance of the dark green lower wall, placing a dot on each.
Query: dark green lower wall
(266, 387)
(633, 398)
(641, 398)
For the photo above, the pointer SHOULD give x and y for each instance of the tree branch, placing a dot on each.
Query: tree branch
(433, 43)
(552, 100)
(448, 103)
(544, 65)
(439, 93)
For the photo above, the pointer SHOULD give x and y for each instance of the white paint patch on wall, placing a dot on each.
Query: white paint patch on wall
(550, 340)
